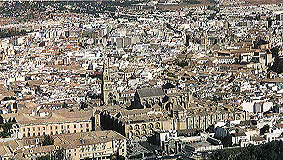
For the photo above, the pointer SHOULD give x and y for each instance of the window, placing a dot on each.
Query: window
(75, 126)
(38, 128)
(62, 127)
(56, 127)
(86, 125)
(75, 131)
(68, 126)
(50, 127)
(24, 129)
(137, 127)
(43, 128)
(33, 129)
(81, 125)
(28, 129)
(137, 133)
(143, 132)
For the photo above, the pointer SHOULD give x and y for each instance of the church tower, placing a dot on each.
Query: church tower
(109, 95)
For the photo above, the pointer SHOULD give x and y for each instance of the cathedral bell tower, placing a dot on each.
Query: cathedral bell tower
(109, 95)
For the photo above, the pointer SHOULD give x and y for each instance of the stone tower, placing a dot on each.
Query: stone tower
(109, 94)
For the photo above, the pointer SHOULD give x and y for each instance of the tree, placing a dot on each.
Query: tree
(278, 62)
(1, 120)
(64, 105)
(59, 154)
(227, 141)
(271, 150)
(210, 129)
(264, 129)
(217, 98)
(48, 140)
(6, 129)
(275, 108)
(46, 157)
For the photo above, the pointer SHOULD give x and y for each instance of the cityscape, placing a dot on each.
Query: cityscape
(141, 79)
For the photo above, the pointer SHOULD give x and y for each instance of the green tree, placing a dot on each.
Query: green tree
(264, 129)
(64, 105)
(227, 141)
(278, 62)
(6, 129)
(1, 120)
(272, 150)
(59, 154)
(48, 140)
(46, 157)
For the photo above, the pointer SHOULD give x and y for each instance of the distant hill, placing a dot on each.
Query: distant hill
(264, 1)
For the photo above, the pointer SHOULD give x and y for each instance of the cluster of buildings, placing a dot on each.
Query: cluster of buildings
(170, 82)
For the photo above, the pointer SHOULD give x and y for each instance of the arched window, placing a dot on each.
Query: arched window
(157, 125)
(144, 132)
(137, 133)
(150, 125)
